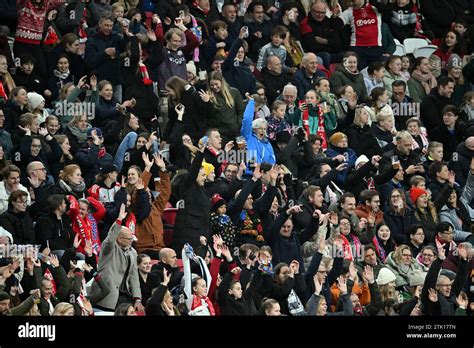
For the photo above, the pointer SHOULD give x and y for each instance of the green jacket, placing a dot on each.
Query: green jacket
(228, 120)
(23, 308)
(417, 91)
(330, 121)
(342, 77)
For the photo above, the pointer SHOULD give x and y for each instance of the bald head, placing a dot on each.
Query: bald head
(470, 143)
(125, 238)
(274, 65)
(168, 257)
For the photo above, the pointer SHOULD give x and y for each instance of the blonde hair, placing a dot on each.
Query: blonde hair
(7, 78)
(387, 291)
(397, 254)
(358, 116)
(225, 89)
(61, 309)
(76, 119)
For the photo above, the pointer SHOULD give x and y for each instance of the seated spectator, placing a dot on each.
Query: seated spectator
(360, 137)
(422, 80)
(451, 133)
(11, 182)
(348, 74)
(306, 76)
(17, 219)
(373, 76)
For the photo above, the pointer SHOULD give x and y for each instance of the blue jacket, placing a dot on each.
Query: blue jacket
(333, 151)
(304, 83)
(261, 150)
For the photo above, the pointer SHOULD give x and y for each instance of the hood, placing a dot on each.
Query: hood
(463, 150)
(365, 73)
(248, 18)
(350, 76)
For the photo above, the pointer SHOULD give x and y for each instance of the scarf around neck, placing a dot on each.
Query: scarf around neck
(81, 135)
(428, 81)
(60, 75)
(71, 187)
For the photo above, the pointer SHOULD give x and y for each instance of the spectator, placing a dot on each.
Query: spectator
(11, 182)
(348, 74)
(432, 105)
(451, 133)
(306, 76)
(422, 80)
(274, 78)
(17, 220)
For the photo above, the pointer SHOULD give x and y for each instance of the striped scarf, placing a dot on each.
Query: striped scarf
(321, 131)
(145, 77)
(379, 249)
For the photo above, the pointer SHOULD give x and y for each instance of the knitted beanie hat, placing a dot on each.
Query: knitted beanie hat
(416, 192)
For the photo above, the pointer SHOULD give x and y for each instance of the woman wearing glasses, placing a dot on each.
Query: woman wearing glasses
(402, 263)
(397, 215)
(426, 257)
(17, 220)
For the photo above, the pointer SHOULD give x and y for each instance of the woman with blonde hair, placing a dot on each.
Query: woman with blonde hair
(360, 136)
(6, 81)
(76, 131)
(63, 309)
(228, 107)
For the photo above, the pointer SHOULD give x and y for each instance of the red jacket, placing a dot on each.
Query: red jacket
(31, 20)
(87, 227)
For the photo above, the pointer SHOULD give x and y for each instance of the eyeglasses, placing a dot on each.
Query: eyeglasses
(42, 169)
(445, 285)
(406, 255)
(21, 202)
(319, 12)
(36, 146)
(396, 196)
(427, 255)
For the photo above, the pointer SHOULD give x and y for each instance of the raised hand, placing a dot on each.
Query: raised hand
(352, 271)
(432, 295)
(441, 252)
(25, 129)
(205, 96)
(160, 163)
(82, 81)
(333, 218)
(322, 245)
(451, 177)
(371, 219)
(93, 82)
(257, 174)
(77, 241)
(151, 35)
(342, 285)
(123, 212)
(229, 146)
(140, 184)
(88, 247)
(88, 268)
(294, 210)
(318, 286)
(147, 161)
(226, 252)
(217, 244)
(203, 240)
(54, 260)
(166, 277)
(295, 265)
(462, 301)
(45, 253)
(36, 293)
(368, 274)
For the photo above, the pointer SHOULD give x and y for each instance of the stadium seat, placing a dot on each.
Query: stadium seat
(413, 43)
(332, 67)
(425, 51)
(169, 215)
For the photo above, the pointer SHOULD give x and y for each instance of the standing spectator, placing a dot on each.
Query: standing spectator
(260, 28)
(118, 267)
(29, 31)
(102, 54)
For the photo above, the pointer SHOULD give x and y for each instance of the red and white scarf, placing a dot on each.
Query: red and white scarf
(145, 77)
(48, 275)
(3, 93)
(321, 130)
(198, 302)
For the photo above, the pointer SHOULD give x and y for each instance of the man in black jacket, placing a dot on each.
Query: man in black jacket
(41, 187)
(450, 133)
(462, 159)
(274, 78)
(168, 262)
(53, 230)
(409, 160)
(432, 105)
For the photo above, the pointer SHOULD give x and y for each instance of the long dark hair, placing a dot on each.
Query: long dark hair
(458, 47)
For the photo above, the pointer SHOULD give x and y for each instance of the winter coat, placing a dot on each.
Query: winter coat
(398, 224)
(342, 77)
(431, 109)
(54, 233)
(328, 28)
(362, 141)
(150, 231)
(227, 119)
(461, 163)
(304, 83)
(238, 74)
(403, 277)
(261, 149)
(4, 196)
(19, 225)
(449, 140)
(350, 154)
(104, 67)
(192, 221)
(274, 84)
(113, 267)
(90, 162)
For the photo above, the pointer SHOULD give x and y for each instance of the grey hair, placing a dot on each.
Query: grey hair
(403, 135)
(289, 87)
(259, 122)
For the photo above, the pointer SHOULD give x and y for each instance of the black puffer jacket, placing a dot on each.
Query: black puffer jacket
(19, 225)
